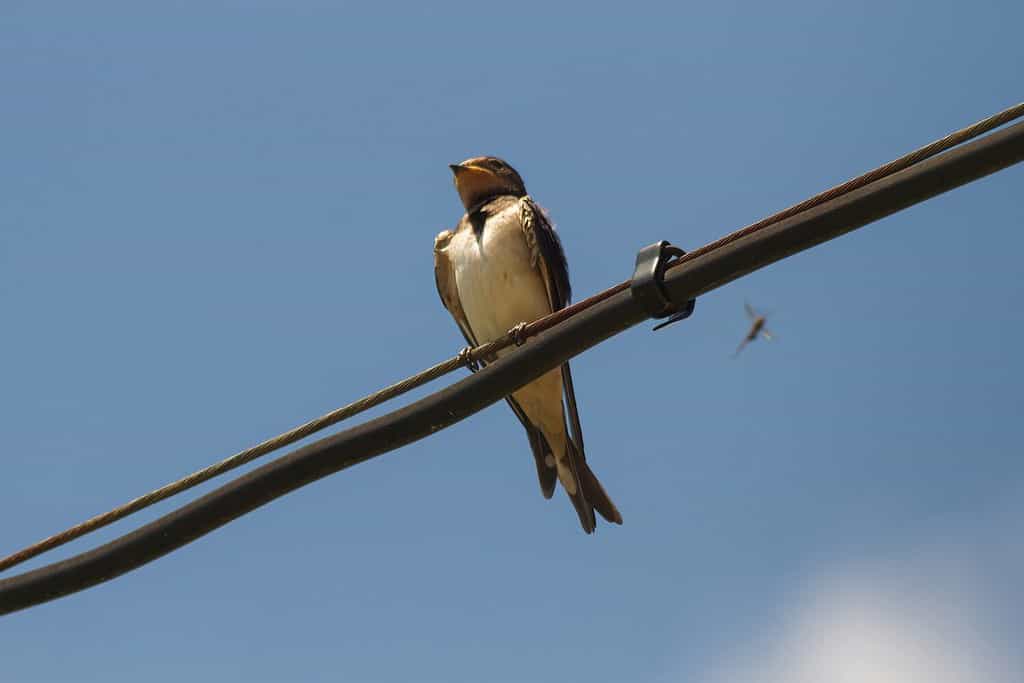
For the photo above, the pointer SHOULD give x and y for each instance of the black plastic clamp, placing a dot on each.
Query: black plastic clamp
(646, 285)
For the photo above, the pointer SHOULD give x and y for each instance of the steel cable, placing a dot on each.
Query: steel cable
(823, 217)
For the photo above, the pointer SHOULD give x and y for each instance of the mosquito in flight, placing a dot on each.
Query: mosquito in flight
(756, 328)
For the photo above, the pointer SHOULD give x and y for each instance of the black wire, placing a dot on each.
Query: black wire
(969, 162)
(549, 349)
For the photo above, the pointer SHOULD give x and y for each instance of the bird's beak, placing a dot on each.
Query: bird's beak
(472, 182)
(463, 170)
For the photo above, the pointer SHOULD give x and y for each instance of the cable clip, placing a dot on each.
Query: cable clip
(646, 285)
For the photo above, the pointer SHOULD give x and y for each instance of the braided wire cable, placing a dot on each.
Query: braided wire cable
(469, 357)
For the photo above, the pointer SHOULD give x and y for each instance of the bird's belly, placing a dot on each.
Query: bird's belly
(497, 285)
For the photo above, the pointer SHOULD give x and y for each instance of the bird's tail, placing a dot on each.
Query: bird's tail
(590, 495)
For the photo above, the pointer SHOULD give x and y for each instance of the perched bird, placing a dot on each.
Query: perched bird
(501, 266)
(756, 327)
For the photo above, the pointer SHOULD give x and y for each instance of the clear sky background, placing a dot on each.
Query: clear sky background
(216, 222)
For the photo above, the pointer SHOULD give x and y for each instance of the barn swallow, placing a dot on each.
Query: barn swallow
(501, 266)
(756, 327)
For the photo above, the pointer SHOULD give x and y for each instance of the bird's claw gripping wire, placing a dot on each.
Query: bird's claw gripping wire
(516, 334)
(646, 284)
(466, 358)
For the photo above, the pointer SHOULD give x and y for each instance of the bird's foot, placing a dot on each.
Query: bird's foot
(466, 358)
(516, 333)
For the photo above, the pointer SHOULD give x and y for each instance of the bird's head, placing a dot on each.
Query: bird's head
(481, 178)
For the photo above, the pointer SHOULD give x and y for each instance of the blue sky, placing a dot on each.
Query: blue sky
(216, 222)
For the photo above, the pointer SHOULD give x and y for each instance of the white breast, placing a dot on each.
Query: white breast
(497, 285)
